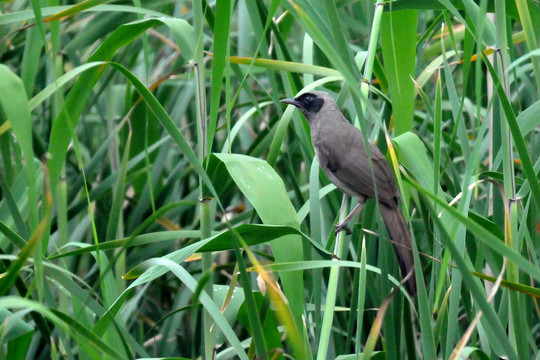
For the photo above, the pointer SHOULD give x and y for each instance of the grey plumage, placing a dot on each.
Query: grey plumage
(340, 150)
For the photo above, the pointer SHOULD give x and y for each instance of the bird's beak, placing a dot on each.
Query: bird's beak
(291, 102)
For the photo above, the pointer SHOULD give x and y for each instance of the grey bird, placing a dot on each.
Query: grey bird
(340, 150)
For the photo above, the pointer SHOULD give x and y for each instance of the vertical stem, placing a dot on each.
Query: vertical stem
(206, 228)
(373, 40)
(516, 334)
(361, 296)
(63, 230)
(205, 208)
(372, 49)
(328, 317)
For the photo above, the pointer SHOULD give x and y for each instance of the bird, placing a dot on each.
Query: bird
(342, 156)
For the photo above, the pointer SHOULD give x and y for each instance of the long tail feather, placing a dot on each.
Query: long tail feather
(399, 231)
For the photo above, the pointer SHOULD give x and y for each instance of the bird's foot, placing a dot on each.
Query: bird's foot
(342, 226)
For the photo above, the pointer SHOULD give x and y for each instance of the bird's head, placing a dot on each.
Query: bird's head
(311, 103)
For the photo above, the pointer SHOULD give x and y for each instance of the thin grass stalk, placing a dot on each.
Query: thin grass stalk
(326, 327)
(515, 329)
(511, 238)
(315, 228)
(63, 237)
(437, 129)
(205, 209)
(372, 50)
(517, 319)
(206, 232)
(361, 297)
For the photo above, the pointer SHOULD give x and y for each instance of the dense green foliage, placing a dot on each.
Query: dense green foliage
(156, 199)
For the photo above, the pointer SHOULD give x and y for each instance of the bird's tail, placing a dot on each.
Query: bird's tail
(399, 231)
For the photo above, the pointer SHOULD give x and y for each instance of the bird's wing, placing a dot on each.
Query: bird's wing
(345, 157)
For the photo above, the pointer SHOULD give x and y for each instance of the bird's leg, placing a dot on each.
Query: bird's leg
(343, 224)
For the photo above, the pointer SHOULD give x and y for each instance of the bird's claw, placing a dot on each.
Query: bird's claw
(342, 226)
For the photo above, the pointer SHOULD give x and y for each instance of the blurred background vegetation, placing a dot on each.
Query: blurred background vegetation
(157, 201)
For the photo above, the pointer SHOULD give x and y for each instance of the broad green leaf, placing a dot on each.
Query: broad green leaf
(14, 103)
(398, 39)
(266, 192)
